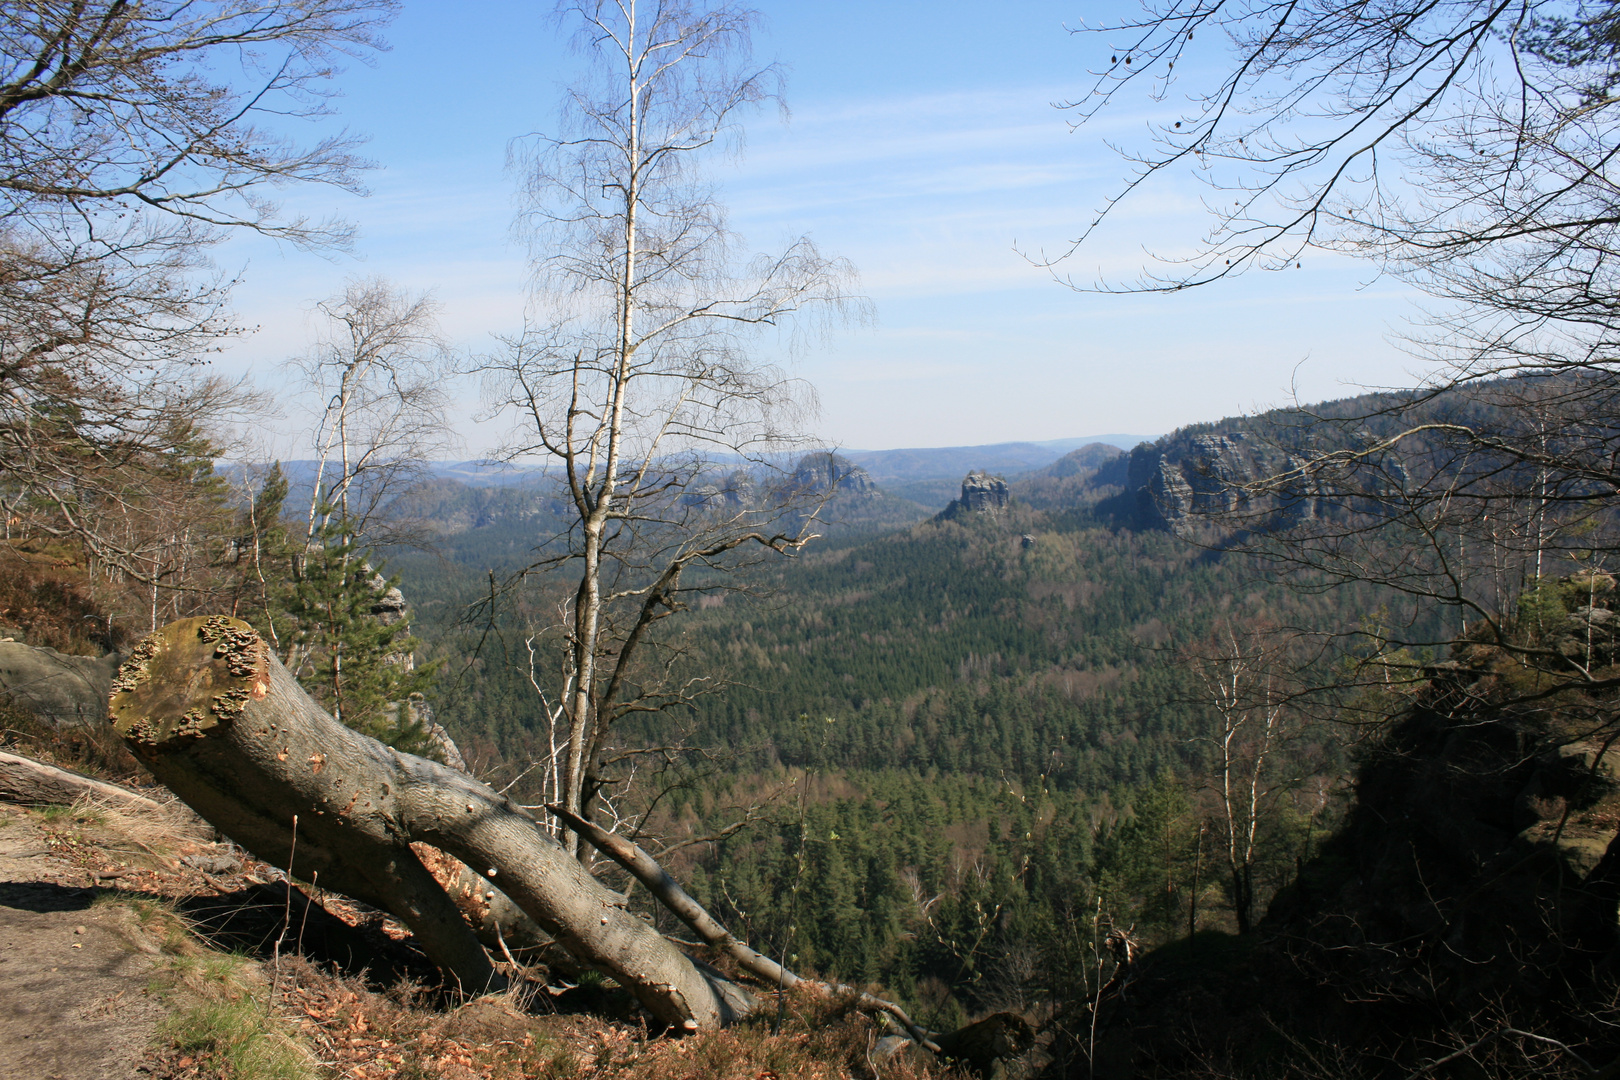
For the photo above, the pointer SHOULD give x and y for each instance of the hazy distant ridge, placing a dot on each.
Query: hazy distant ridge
(948, 462)
(915, 463)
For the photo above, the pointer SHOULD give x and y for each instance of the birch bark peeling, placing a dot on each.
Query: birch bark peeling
(218, 719)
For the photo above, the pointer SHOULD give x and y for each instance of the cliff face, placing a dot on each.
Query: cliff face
(817, 474)
(1172, 483)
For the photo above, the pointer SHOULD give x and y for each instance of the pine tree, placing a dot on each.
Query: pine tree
(349, 642)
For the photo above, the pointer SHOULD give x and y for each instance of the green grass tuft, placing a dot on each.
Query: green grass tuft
(240, 1038)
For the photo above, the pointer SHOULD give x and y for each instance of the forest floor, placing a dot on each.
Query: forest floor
(134, 947)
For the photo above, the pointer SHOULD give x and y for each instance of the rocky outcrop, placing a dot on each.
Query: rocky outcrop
(389, 609)
(823, 473)
(734, 492)
(1214, 477)
(981, 494)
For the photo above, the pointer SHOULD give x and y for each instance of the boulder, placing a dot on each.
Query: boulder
(54, 686)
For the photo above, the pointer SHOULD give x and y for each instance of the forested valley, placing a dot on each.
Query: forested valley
(664, 739)
(947, 741)
(955, 739)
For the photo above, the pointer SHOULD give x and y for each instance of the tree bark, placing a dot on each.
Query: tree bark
(503, 927)
(218, 719)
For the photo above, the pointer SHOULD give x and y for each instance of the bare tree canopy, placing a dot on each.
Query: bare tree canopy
(1451, 142)
(378, 374)
(110, 106)
(130, 137)
(133, 136)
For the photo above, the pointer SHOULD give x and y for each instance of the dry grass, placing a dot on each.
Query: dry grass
(232, 1020)
(169, 826)
(362, 1033)
(222, 1022)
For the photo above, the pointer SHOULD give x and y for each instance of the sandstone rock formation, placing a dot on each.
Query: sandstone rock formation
(818, 474)
(1174, 482)
(981, 494)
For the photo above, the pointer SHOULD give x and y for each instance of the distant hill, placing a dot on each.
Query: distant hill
(954, 462)
(927, 476)
(1086, 459)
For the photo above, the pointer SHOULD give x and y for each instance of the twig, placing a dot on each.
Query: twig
(286, 913)
(501, 940)
(1498, 1033)
(314, 882)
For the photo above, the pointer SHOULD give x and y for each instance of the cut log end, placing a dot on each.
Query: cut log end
(187, 679)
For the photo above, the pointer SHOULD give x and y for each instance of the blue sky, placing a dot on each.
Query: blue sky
(923, 145)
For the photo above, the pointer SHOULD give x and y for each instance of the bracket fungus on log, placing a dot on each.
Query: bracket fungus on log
(206, 706)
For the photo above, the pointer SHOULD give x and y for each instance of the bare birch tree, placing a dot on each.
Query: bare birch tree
(633, 376)
(1245, 678)
(378, 371)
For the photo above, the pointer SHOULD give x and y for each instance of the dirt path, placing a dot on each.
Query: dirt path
(73, 987)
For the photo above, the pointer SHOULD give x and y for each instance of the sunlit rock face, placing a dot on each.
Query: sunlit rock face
(981, 494)
(1217, 478)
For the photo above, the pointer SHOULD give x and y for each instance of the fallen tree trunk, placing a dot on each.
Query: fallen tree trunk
(503, 927)
(25, 780)
(217, 718)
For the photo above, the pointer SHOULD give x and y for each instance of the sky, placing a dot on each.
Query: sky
(924, 146)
